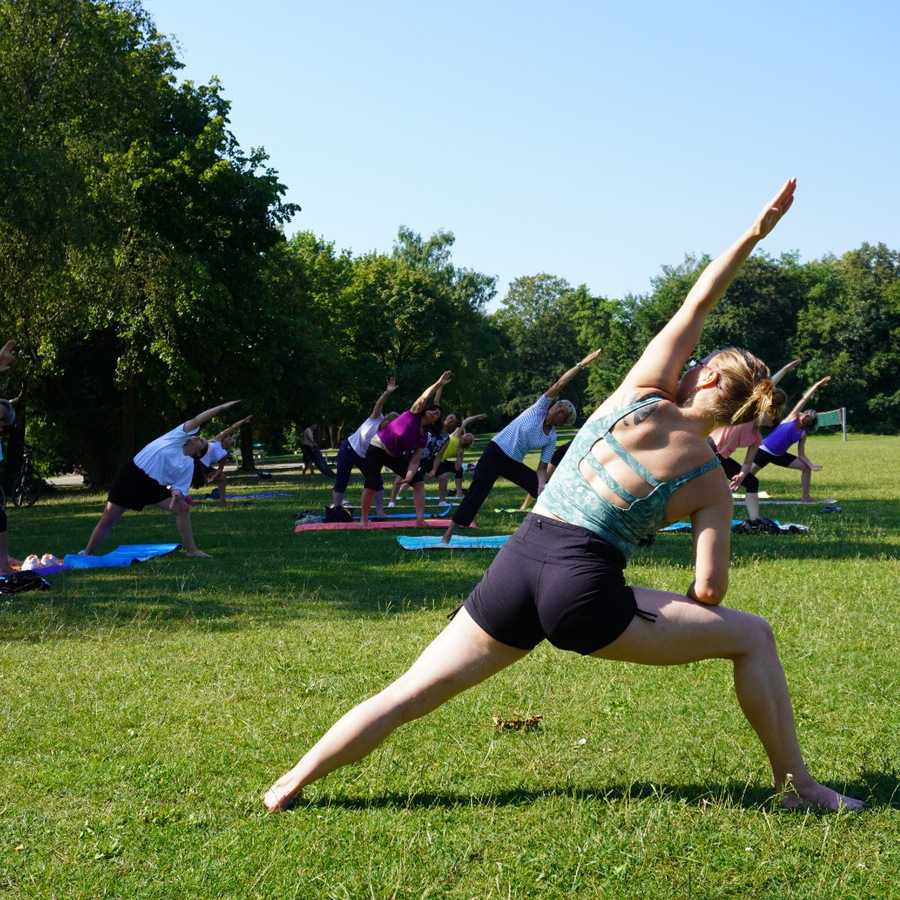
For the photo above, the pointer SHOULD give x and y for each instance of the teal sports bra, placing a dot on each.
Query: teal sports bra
(568, 496)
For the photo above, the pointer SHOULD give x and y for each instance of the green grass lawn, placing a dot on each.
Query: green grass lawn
(144, 711)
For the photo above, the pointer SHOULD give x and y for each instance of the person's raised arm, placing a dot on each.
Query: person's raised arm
(379, 403)
(801, 403)
(566, 377)
(461, 428)
(231, 429)
(784, 370)
(421, 403)
(202, 418)
(665, 356)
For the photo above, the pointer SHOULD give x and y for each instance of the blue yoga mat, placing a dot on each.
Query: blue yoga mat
(686, 526)
(256, 495)
(120, 557)
(457, 542)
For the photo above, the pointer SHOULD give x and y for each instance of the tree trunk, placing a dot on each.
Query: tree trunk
(128, 424)
(15, 449)
(248, 464)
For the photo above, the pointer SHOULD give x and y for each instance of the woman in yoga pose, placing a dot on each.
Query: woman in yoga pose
(774, 448)
(534, 429)
(726, 439)
(352, 450)
(210, 468)
(160, 475)
(640, 460)
(399, 446)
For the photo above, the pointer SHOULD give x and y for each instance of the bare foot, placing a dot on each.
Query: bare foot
(420, 523)
(282, 794)
(817, 796)
(197, 554)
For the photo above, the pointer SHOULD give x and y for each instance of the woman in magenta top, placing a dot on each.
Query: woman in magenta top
(774, 448)
(399, 446)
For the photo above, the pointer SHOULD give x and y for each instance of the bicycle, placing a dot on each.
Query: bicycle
(27, 485)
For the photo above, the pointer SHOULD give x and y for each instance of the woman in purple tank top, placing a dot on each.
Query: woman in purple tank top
(775, 448)
(399, 446)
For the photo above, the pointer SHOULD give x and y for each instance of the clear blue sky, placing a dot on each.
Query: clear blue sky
(595, 141)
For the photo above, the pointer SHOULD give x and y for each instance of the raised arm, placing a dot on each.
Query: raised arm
(801, 403)
(200, 420)
(460, 429)
(231, 429)
(379, 403)
(421, 403)
(566, 377)
(663, 359)
(784, 370)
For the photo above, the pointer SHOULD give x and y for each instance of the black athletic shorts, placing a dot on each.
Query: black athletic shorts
(376, 459)
(135, 489)
(732, 468)
(448, 467)
(763, 458)
(556, 581)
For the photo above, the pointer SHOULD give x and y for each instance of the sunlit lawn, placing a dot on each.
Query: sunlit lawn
(144, 711)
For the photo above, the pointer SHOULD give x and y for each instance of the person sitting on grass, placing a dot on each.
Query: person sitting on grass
(534, 429)
(399, 446)
(159, 475)
(793, 428)
(210, 469)
(640, 460)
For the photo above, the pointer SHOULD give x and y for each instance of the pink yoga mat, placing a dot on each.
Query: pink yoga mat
(372, 526)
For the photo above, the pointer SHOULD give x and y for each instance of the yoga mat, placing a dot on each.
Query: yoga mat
(763, 495)
(438, 514)
(372, 526)
(457, 542)
(785, 527)
(686, 526)
(122, 556)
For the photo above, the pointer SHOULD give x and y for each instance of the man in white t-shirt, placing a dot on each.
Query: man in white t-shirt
(160, 475)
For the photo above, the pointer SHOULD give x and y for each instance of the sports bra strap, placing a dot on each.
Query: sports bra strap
(630, 460)
(708, 466)
(608, 480)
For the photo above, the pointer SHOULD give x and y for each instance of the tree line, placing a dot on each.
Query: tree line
(145, 273)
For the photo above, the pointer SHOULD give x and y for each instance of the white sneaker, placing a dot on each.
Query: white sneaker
(391, 504)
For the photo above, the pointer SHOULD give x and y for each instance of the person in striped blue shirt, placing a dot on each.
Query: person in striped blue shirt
(534, 429)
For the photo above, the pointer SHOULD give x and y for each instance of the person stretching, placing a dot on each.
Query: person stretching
(774, 448)
(352, 450)
(431, 454)
(534, 429)
(399, 446)
(728, 438)
(641, 459)
(450, 462)
(210, 468)
(312, 454)
(160, 475)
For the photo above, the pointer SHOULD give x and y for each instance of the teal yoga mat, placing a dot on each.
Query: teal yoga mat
(457, 542)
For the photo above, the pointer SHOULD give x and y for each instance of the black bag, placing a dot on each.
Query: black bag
(16, 582)
(337, 514)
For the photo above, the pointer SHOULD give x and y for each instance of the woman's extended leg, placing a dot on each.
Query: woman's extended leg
(461, 656)
(685, 631)
(112, 512)
(182, 513)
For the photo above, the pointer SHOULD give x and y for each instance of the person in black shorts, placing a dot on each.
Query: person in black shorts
(641, 459)
(159, 475)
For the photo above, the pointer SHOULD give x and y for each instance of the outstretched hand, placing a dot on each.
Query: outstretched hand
(589, 358)
(7, 355)
(445, 377)
(774, 210)
(821, 381)
(737, 480)
(391, 385)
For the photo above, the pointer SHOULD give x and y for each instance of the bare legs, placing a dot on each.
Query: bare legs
(419, 498)
(4, 552)
(752, 502)
(685, 631)
(461, 656)
(112, 512)
(805, 478)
